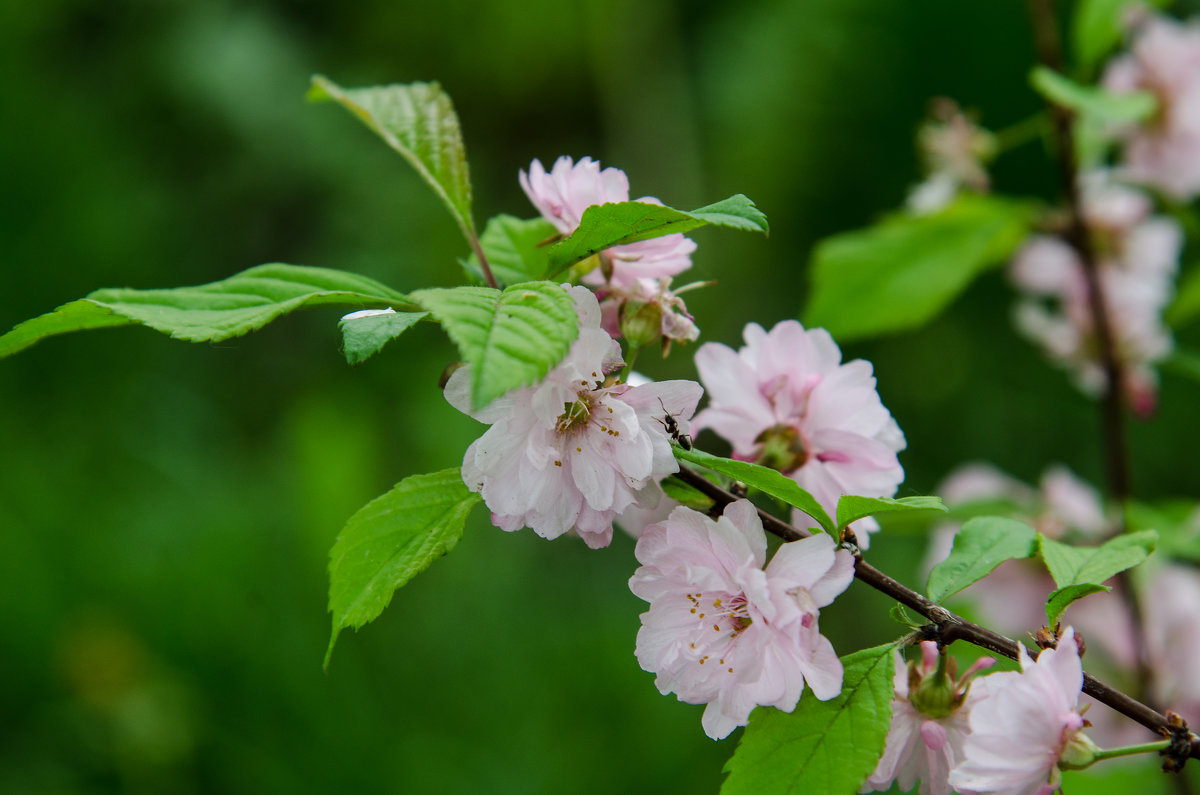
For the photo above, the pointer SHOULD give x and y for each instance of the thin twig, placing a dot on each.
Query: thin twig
(488, 276)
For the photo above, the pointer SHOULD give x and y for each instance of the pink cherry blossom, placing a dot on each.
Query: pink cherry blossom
(561, 196)
(1164, 151)
(787, 401)
(1022, 724)
(723, 631)
(925, 747)
(576, 449)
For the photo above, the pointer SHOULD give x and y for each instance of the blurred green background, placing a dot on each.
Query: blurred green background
(166, 509)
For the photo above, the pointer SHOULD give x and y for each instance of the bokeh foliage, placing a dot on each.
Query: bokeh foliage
(167, 509)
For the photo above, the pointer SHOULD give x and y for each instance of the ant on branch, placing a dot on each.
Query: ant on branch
(672, 425)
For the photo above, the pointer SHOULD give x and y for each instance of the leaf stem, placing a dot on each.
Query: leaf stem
(1130, 750)
(488, 276)
(630, 358)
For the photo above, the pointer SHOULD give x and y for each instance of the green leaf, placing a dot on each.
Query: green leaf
(826, 747)
(687, 495)
(510, 338)
(1092, 101)
(514, 249)
(852, 508)
(1059, 600)
(980, 546)
(1096, 29)
(389, 541)
(419, 122)
(1070, 565)
(618, 223)
(903, 271)
(768, 480)
(365, 335)
(211, 312)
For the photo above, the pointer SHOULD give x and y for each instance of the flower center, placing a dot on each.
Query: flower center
(576, 414)
(723, 614)
(781, 447)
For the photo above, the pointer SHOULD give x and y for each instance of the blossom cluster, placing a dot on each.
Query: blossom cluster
(584, 447)
(1136, 253)
(1136, 257)
(590, 444)
(633, 280)
(1164, 59)
(1008, 733)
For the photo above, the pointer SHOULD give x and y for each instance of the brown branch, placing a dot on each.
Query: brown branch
(947, 627)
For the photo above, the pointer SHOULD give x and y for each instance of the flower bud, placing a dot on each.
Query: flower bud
(641, 323)
(1078, 753)
(935, 696)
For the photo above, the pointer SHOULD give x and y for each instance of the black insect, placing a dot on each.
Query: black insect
(669, 422)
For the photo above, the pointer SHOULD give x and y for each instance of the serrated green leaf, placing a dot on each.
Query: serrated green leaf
(419, 122)
(1070, 565)
(979, 547)
(365, 335)
(768, 480)
(1092, 101)
(902, 272)
(517, 250)
(510, 338)
(827, 747)
(1061, 599)
(852, 508)
(389, 541)
(244, 302)
(619, 223)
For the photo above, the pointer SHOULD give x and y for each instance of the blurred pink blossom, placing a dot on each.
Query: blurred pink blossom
(925, 740)
(1023, 723)
(1171, 606)
(562, 194)
(1164, 151)
(723, 631)
(1137, 257)
(786, 400)
(954, 151)
(576, 449)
